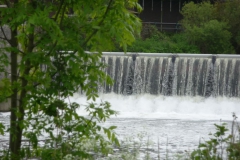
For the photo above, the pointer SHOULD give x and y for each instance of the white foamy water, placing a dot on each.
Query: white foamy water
(178, 123)
(162, 107)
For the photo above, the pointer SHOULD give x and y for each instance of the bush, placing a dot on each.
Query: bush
(197, 14)
(229, 12)
(183, 46)
(163, 44)
(154, 41)
(205, 30)
(220, 146)
(212, 37)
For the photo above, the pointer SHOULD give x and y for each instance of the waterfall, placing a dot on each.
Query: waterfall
(173, 74)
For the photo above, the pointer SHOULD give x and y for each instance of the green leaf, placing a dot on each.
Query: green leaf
(2, 127)
(116, 142)
(112, 127)
(109, 134)
(51, 65)
(96, 27)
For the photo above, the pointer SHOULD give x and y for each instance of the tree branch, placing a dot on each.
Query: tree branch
(55, 19)
(64, 8)
(5, 37)
(16, 75)
(100, 23)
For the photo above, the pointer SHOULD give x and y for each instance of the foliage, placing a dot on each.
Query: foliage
(204, 30)
(154, 41)
(209, 149)
(212, 37)
(229, 12)
(46, 41)
(207, 27)
(220, 146)
(197, 14)
(180, 40)
(5, 89)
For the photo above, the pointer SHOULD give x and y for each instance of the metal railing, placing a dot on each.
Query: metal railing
(172, 54)
(166, 26)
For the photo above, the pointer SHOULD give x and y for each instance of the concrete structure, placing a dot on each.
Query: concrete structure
(165, 14)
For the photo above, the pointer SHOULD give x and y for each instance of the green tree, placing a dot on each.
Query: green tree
(46, 41)
(197, 14)
(212, 37)
(204, 30)
(229, 12)
(154, 41)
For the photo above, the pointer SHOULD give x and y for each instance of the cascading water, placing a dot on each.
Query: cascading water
(161, 103)
(173, 74)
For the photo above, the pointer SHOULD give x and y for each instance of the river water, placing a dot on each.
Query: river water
(172, 126)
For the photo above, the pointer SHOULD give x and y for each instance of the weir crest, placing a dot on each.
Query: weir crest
(173, 74)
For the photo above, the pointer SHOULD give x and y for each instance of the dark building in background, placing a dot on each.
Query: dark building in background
(165, 14)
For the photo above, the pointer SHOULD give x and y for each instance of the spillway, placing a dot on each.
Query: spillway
(172, 74)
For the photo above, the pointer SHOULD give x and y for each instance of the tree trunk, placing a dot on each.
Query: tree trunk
(16, 128)
(16, 121)
(14, 105)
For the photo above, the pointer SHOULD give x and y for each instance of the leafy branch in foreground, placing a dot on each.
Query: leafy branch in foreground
(43, 46)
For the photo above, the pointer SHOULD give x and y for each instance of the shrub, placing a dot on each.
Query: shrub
(220, 146)
(205, 30)
(212, 37)
(154, 41)
(229, 12)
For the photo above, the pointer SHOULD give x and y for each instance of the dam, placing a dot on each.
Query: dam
(173, 74)
(172, 98)
(167, 74)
